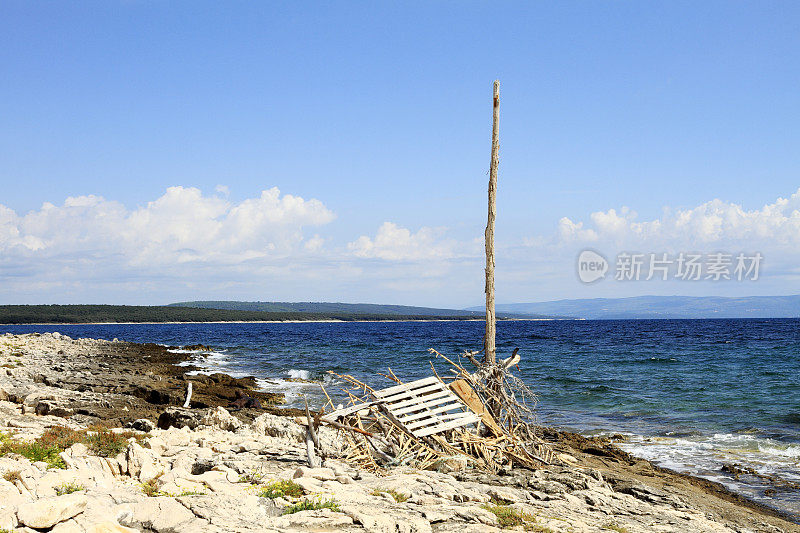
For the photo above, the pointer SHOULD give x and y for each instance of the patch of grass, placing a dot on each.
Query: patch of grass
(68, 488)
(60, 437)
(508, 517)
(107, 443)
(187, 492)
(279, 489)
(611, 526)
(45, 448)
(56, 439)
(313, 505)
(399, 497)
(35, 451)
(12, 476)
(254, 477)
(150, 487)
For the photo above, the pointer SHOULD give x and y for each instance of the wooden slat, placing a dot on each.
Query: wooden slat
(429, 412)
(448, 425)
(406, 386)
(405, 403)
(420, 406)
(438, 419)
(414, 392)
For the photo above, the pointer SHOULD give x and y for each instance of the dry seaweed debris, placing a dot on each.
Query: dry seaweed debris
(484, 419)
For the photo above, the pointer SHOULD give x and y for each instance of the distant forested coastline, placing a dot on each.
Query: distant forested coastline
(76, 314)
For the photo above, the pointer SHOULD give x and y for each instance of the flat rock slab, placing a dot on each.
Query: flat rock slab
(47, 512)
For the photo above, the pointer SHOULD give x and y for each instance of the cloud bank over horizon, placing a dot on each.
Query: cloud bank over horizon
(188, 245)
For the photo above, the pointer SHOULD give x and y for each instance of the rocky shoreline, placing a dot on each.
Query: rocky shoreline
(67, 464)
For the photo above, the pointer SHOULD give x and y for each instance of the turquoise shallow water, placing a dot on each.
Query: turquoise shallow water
(690, 394)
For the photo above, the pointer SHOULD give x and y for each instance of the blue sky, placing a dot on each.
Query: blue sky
(381, 113)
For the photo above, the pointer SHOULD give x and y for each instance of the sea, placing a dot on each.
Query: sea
(689, 395)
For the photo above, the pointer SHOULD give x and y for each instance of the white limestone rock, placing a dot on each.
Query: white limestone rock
(47, 512)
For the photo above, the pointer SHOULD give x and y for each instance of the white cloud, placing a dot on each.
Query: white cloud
(314, 244)
(182, 226)
(712, 223)
(395, 243)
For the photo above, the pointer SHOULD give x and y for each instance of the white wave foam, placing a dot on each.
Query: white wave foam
(299, 374)
(787, 451)
(293, 391)
(705, 456)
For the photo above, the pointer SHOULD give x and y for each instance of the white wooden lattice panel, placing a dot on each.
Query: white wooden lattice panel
(426, 407)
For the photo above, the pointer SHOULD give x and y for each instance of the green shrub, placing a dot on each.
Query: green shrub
(36, 451)
(399, 497)
(46, 448)
(106, 443)
(254, 477)
(100, 441)
(611, 526)
(313, 505)
(60, 437)
(507, 517)
(150, 487)
(68, 488)
(186, 492)
(12, 476)
(278, 489)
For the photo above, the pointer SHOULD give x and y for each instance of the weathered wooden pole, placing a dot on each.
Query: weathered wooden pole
(488, 343)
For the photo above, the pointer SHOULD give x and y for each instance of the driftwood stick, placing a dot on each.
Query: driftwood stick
(188, 394)
(312, 443)
(338, 425)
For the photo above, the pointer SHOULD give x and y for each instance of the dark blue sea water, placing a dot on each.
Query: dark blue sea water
(690, 394)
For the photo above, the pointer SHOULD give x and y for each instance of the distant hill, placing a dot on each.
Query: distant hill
(328, 307)
(387, 311)
(75, 314)
(662, 307)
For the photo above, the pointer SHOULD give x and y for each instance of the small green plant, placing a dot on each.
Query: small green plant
(68, 488)
(13, 476)
(253, 477)
(150, 487)
(313, 505)
(508, 517)
(183, 492)
(611, 526)
(399, 497)
(279, 489)
(191, 493)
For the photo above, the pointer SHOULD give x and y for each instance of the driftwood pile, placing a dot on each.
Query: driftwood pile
(482, 419)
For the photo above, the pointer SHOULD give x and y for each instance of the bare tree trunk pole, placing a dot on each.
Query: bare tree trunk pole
(488, 343)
